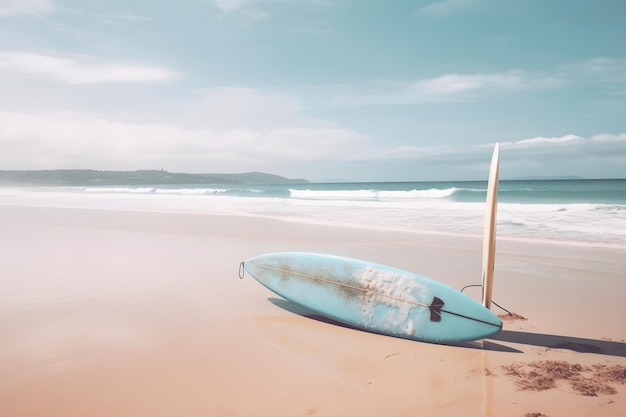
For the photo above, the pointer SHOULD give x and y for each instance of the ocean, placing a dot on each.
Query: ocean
(572, 212)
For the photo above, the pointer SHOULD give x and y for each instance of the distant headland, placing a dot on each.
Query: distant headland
(76, 177)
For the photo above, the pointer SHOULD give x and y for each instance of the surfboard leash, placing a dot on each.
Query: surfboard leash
(493, 302)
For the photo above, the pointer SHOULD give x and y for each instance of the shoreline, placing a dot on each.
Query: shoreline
(530, 216)
(146, 316)
(339, 225)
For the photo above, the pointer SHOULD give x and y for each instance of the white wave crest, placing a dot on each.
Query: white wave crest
(190, 191)
(127, 190)
(147, 190)
(372, 195)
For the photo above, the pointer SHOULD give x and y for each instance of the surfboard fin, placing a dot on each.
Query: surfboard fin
(435, 309)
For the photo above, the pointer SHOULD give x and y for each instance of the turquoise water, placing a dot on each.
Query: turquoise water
(580, 212)
(611, 191)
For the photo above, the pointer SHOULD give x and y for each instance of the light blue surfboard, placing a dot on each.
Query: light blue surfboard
(374, 297)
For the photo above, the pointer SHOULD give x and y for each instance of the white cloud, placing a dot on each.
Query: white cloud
(451, 84)
(601, 156)
(443, 7)
(608, 75)
(225, 129)
(448, 88)
(567, 139)
(229, 107)
(229, 6)
(233, 5)
(599, 70)
(80, 69)
(25, 7)
(124, 18)
(30, 141)
(315, 143)
(608, 137)
(572, 148)
(37, 141)
(415, 152)
(259, 10)
(551, 156)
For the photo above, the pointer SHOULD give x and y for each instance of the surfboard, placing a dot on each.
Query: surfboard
(489, 232)
(374, 297)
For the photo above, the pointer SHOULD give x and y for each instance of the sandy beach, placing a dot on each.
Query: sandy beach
(122, 313)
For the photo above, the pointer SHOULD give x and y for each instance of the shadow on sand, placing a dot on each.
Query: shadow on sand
(577, 344)
(305, 312)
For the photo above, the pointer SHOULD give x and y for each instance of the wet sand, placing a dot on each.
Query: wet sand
(113, 313)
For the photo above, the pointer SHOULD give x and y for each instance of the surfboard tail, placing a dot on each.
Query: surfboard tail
(489, 233)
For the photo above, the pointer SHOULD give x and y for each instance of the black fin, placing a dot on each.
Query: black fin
(435, 309)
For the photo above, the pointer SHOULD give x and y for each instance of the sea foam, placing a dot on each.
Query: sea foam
(449, 209)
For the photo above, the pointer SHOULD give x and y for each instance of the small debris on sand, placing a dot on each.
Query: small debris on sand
(584, 380)
(511, 317)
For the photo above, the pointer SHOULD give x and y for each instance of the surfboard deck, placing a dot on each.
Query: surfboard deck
(374, 297)
(489, 233)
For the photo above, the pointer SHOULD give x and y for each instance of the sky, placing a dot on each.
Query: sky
(326, 90)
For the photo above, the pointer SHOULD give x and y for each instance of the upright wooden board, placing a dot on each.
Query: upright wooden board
(489, 233)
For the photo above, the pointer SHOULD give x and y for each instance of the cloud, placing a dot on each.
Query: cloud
(458, 84)
(80, 69)
(415, 152)
(123, 18)
(229, 107)
(567, 139)
(606, 71)
(229, 6)
(449, 88)
(572, 154)
(233, 5)
(609, 137)
(31, 141)
(38, 141)
(258, 10)
(554, 149)
(228, 129)
(443, 7)
(539, 156)
(25, 7)
(608, 75)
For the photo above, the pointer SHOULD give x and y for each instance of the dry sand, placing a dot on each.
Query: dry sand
(111, 313)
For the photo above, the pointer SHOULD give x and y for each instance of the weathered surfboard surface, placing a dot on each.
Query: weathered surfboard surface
(374, 297)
